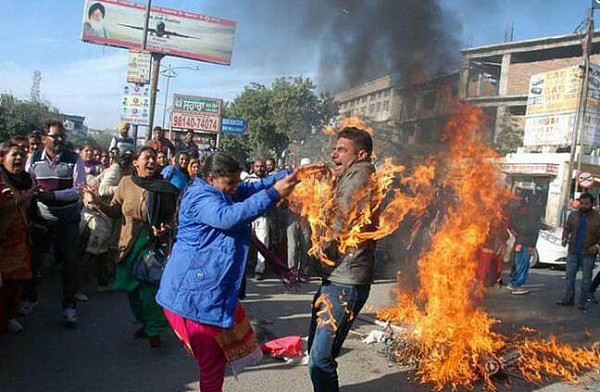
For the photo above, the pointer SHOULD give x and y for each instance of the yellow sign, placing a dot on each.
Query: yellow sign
(554, 92)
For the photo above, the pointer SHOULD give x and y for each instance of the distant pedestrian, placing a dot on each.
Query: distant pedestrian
(123, 142)
(160, 143)
(582, 234)
(524, 223)
(188, 145)
(177, 173)
(260, 225)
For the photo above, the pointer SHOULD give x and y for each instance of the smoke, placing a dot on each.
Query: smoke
(362, 40)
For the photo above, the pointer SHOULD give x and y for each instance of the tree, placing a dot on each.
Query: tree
(510, 136)
(22, 117)
(288, 111)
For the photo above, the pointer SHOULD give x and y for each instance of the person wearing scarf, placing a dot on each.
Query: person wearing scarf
(16, 191)
(91, 166)
(147, 203)
(200, 285)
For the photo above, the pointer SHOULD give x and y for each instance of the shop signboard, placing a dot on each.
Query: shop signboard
(197, 113)
(135, 104)
(138, 69)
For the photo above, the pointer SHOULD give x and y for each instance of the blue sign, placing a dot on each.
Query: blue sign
(232, 125)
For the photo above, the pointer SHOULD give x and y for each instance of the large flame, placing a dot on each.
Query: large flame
(452, 336)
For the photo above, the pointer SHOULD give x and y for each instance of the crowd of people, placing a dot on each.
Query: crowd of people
(171, 226)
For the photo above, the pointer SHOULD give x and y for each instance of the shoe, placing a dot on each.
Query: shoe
(565, 303)
(510, 287)
(259, 276)
(582, 306)
(105, 288)
(81, 296)
(590, 298)
(519, 291)
(70, 316)
(139, 334)
(26, 308)
(13, 326)
(155, 341)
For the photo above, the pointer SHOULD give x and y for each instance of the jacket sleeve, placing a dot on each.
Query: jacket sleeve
(247, 188)
(109, 182)
(568, 228)
(215, 211)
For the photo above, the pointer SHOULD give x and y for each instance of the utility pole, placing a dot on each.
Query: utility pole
(577, 136)
(157, 57)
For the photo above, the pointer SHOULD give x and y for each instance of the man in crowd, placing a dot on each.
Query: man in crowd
(260, 225)
(525, 225)
(160, 142)
(188, 145)
(270, 166)
(345, 287)
(58, 173)
(582, 234)
(122, 142)
(212, 147)
(35, 142)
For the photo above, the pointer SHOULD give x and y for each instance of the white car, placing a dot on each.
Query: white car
(549, 249)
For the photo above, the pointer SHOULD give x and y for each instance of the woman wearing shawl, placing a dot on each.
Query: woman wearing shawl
(92, 166)
(147, 203)
(200, 285)
(16, 190)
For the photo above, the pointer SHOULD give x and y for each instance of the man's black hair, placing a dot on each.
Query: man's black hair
(94, 7)
(361, 139)
(157, 128)
(221, 164)
(54, 123)
(587, 196)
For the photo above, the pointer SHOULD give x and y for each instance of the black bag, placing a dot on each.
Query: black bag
(149, 266)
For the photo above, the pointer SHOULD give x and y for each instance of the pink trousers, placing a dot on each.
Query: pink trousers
(200, 340)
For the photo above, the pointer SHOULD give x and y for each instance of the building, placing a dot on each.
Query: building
(496, 77)
(75, 124)
(376, 100)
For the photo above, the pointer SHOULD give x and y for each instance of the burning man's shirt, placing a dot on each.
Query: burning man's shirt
(352, 196)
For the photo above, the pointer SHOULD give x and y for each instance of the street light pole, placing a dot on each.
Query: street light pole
(144, 43)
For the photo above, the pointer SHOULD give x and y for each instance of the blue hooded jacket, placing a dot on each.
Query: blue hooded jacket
(203, 275)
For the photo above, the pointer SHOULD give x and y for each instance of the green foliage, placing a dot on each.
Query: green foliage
(510, 137)
(286, 112)
(22, 117)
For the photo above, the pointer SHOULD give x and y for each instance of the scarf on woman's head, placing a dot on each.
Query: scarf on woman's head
(162, 198)
(20, 181)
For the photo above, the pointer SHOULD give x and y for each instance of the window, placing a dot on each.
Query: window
(386, 105)
(428, 100)
(362, 99)
(386, 93)
(371, 108)
(378, 107)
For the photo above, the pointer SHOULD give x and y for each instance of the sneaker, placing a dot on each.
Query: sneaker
(70, 316)
(582, 306)
(562, 302)
(26, 308)
(591, 298)
(510, 286)
(519, 291)
(81, 296)
(13, 326)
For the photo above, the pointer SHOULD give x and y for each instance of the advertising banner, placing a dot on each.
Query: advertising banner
(177, 33)
(138, 70)
(197, 113)
(135, 105)
(552, 106)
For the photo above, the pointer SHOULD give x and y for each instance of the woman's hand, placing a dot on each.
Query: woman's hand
(161, 232)
(90, 197)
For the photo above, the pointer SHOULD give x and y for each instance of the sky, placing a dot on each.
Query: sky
(271, 41)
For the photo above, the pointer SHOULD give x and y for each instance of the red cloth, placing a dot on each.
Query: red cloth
(289, 346)
(489, 267)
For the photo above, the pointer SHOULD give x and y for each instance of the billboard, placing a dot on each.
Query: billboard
(135, 104)
(138, 69)
(197, 113)
(176, 33)
(552, 106)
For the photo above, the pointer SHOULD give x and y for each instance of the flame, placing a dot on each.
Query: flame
(452, 336)
(324, 316)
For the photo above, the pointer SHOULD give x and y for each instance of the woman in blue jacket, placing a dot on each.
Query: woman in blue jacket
(200, 284)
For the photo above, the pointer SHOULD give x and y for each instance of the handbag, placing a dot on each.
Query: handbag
(149, 266)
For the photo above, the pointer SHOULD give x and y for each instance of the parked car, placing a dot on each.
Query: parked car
(549, 249)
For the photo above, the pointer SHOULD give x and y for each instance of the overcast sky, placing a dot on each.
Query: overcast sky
(271, 41)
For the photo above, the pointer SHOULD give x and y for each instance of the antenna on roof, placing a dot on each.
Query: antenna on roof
(509, 31)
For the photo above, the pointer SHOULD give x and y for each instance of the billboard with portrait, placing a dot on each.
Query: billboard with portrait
(171, 32)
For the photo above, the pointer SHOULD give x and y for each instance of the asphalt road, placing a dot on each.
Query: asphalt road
(100, 355)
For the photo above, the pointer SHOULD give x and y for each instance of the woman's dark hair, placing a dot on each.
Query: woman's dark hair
(361, 139)
(587, 196)
(6, 146)
(145, 148)
(125, 161)
(220, 164)
(94, 7)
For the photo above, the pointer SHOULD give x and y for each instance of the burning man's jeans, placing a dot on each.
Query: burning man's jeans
(520, 268)
(574, 261)
(334, 309)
